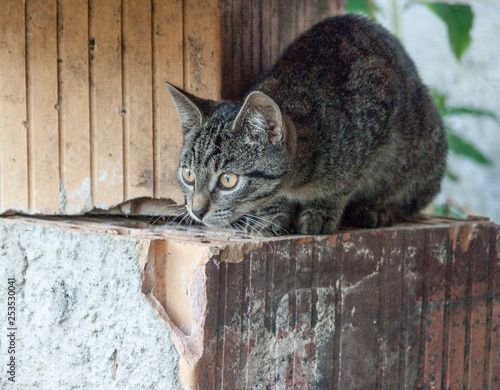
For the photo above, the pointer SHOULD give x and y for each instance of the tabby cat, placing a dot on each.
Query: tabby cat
(341, 132)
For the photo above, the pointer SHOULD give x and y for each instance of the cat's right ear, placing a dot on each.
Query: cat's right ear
(262, 119)
(191, 109)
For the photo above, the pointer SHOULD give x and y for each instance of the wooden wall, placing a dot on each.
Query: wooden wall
(255, 33)
(85, 120)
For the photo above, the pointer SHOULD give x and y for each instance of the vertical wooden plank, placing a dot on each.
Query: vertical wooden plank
(246, 46)
(275, 30)
(236, 63)
(74, 125)
(338, 280)
(138, 94)
(221, 332)
(256, 314)
(266, 35)
(202, 48)
(13, 115)
(360, 365)
(323, 320)
(287, 23)
(435, 274)
(43, 127)
(256, 39)
(494, 360)
(245, 321)
(413, 307)
(106, 102)
(457, 280)
(167, 66)
(392, 336)
(304, 348)
(211, 337)
(285, 313)
(227, 46)
(233, 318)
(479, 253)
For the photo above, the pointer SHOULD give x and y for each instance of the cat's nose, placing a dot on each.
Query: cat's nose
(200, 213)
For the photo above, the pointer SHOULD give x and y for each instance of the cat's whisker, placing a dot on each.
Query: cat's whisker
(243, 224)
(183, 215)
(266, 228)
(262, 226)
(236, 227)
(164, 214)
(254, 229)
(270, 222)
(258, 232)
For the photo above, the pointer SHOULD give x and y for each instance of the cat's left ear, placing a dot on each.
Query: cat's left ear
(191, 109)
(261, 117)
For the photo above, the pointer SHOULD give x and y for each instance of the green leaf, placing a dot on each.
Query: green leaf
(452, 176)
(463, 148)
(470, 111)
(366, 7)
(439, 99)
(448, 211)
(458, 19)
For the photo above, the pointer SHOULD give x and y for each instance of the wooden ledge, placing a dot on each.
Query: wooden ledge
(409, 306)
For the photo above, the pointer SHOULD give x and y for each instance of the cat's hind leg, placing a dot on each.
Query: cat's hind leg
(366, 216)
(388, 210)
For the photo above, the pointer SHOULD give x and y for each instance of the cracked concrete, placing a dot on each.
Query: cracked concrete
(82, 320)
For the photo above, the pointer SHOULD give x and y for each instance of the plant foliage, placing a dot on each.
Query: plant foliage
(458, 19)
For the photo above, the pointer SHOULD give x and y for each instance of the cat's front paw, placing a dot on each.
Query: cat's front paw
(313, 222)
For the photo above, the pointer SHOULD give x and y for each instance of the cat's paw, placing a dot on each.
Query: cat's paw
(315, 222)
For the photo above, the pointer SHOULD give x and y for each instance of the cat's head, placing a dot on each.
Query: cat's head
(234, 157)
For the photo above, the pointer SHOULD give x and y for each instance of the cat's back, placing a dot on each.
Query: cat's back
(340, 41)
(323, 59)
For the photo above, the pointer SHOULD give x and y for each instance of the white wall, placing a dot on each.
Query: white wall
(82, 321)
(474, 81)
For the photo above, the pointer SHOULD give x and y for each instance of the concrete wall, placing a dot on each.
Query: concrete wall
(474, 81)
(82, 320)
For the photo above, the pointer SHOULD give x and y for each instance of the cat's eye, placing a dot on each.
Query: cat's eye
(228, 180)
(188, 175)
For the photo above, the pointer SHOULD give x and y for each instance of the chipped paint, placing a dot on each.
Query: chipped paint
(273, 322)
(468, 234)
(81, 198)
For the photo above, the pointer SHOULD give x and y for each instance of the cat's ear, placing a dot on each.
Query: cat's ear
(262, 118)
(191, 109)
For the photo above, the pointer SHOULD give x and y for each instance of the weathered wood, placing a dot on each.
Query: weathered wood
(86, 121)
(42, 89)
(74, 109)
(403, 307)
(397, 307)
(494, 309)
(137, 99)
(106, 102)
(202, 47)
(255, 33)
(13, 111)
(167, 66)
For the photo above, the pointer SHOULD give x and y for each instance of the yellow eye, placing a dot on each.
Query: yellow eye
(228, 180)
(188, 175)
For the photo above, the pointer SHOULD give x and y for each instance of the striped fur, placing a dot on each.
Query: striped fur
(340, 131)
